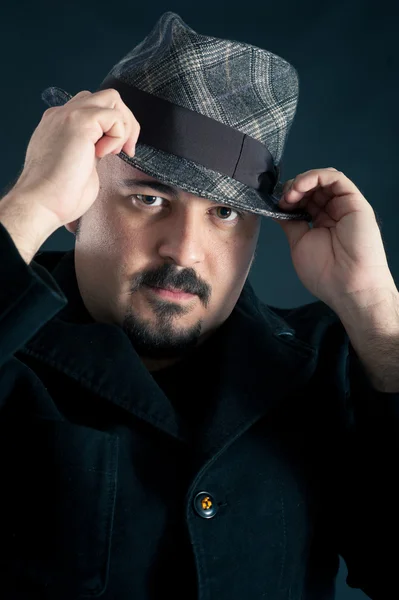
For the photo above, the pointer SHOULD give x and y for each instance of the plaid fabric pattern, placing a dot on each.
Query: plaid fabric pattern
(238, 84)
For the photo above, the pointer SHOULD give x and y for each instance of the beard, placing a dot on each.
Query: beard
(161, 338)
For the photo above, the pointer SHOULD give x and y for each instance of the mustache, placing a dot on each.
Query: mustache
(166, 277)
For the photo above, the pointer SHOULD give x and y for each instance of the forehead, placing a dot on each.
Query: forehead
(119, 171)
(123, 175)
(136, 173)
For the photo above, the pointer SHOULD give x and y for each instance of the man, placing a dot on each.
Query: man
(142, 236)
(202, 446)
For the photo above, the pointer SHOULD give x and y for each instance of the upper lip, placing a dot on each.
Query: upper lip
(171, 289)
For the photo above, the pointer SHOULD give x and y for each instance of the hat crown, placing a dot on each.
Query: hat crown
(238, 84)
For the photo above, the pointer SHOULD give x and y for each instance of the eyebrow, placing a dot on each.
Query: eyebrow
(158, 186)
(164, 188)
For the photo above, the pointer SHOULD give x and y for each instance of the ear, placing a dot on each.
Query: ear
(72, 226)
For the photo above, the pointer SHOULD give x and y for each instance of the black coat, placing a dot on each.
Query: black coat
(289, 459)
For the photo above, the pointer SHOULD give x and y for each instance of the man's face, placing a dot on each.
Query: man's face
(137, 239)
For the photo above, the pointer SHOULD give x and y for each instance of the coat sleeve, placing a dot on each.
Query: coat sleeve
(368, 494)
(29, 298)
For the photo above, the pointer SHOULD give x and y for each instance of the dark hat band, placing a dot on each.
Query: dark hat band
(196, 137)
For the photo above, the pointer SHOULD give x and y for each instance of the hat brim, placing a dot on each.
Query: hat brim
(195, 178)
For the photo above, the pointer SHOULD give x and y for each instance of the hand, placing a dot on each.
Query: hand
(64, 151)
(342, 257)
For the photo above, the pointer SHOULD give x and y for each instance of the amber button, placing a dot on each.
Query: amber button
(205, 505)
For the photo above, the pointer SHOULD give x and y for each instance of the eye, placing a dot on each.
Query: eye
(140, 196)
(147, 201)
(231, 210)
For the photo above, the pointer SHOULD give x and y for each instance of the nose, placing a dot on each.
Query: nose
(183, 238)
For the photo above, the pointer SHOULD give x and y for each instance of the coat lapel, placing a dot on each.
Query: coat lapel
(257, 361)
(260, 362)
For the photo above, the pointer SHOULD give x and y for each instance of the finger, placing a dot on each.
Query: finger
(110, 118)
(110, 98)
(287, 185)
(293, 196)
(131, 124)
(332, 182)
(113, 127)
(79, 96)
(305, 175)
(305, 186)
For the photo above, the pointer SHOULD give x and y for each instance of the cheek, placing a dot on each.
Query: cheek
(237, 253)
(125, 237)
(230, 266)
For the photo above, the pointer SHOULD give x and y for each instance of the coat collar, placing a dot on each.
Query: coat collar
(259, 361)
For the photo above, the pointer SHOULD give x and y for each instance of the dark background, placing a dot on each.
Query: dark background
(347, 117)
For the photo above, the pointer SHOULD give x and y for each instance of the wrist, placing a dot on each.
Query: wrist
(28, 223)
(373, 313)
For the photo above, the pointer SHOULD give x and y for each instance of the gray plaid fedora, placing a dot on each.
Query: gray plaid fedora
(214, 115)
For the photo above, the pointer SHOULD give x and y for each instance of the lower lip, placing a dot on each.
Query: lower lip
(171, 295)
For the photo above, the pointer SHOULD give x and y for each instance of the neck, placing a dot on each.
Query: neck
(156, 364)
